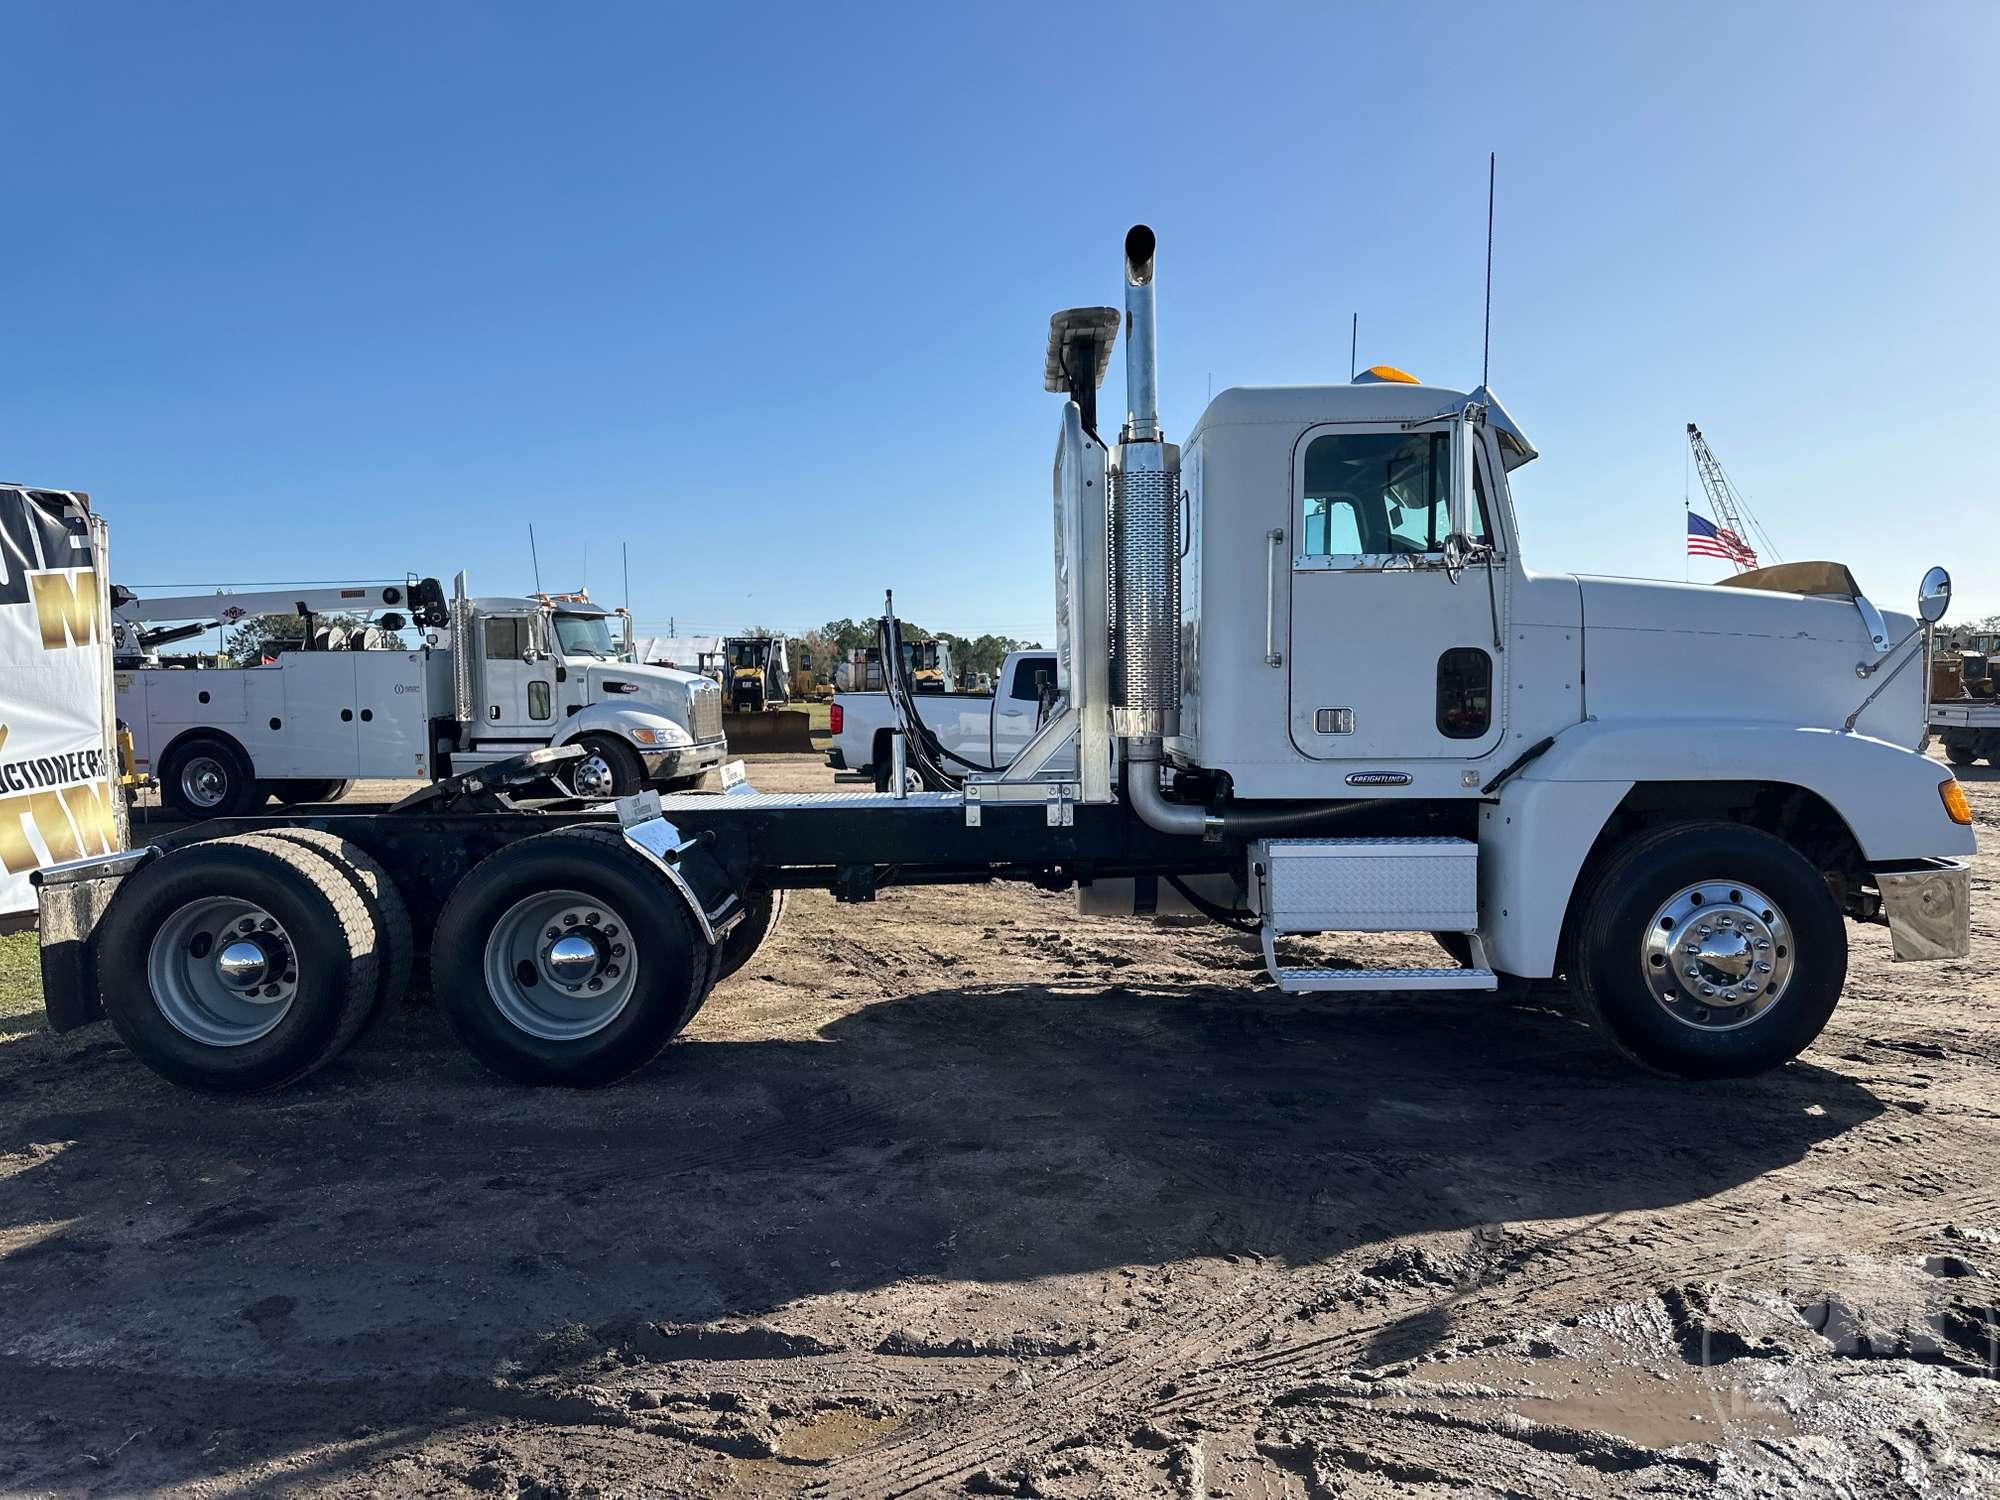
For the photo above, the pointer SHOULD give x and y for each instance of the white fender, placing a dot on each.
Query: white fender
(1534, 839)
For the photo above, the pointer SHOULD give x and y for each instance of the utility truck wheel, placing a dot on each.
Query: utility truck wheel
(1960, 750)
(606, 769)
(296, 793)
(1708, 950)
(209, 778)
(387, 911)
(761, 916)
(566, 959)
(238, 964)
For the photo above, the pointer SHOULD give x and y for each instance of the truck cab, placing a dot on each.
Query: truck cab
(550, 670)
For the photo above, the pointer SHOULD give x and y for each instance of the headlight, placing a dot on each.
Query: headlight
(645, 736)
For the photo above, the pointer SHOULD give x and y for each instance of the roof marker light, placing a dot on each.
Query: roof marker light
(1386, 374)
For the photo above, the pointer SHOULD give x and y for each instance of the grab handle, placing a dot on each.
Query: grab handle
(1273, 657)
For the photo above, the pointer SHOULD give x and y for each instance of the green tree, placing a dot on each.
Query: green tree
(258, 636)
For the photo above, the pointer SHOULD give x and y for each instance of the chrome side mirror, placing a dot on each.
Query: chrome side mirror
(1934, 595)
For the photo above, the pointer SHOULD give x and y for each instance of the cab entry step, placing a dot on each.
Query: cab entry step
(1368, 885)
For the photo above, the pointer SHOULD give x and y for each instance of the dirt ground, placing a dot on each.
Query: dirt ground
(956, 1194)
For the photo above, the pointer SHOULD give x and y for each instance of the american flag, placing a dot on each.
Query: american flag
(1706, 539)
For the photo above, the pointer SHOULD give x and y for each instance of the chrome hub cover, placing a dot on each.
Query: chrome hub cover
(222, 971)
(1717, 955)
(560, 965)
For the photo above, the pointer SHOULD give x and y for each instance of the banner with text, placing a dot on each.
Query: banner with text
(58, 783)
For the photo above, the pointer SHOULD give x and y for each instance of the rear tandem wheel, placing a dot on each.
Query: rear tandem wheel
(259, 979)
(567, 959)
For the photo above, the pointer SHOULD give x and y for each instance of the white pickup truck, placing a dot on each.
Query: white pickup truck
(988, 730)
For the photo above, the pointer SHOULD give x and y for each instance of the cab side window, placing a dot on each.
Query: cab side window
(504, 640)
(1379, 494)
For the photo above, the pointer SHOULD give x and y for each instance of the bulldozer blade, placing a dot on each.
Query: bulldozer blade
(782, 731)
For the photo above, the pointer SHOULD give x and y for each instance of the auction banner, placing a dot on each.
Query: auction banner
(59, 794)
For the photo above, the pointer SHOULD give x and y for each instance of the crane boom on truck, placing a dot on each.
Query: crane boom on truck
(488, 679)
(1306, 683)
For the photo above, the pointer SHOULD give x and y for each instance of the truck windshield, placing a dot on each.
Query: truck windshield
(585, 635)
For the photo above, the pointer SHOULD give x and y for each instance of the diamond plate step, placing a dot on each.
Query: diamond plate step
(1335, 981)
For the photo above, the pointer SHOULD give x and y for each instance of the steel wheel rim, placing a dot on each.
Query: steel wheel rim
(592, 776)
(560, 965)
(1718, 955)
(222, 971)
(204, 781)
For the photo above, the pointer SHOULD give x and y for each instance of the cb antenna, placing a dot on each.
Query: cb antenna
(1486, 338)
(534, 557)
(1353, 343)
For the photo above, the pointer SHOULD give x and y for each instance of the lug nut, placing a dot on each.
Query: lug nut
(611, 932)
(569, 920)
(617, 950)
(248, 924)
(591, 920)
(611, 972)
(597, 984)
(555, 932)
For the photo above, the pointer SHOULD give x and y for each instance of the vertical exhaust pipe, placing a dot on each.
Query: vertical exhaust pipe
(1145, 516)
(1142, 368)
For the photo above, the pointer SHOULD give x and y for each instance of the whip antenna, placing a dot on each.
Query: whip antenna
(1486, 338)
(534, 557)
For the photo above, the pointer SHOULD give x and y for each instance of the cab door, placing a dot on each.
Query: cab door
(516, 687)
(1390, 655)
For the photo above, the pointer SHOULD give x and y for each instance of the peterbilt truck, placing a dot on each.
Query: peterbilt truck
(488, 678)
(1307, 682)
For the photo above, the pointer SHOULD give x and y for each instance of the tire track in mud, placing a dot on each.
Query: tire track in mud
(1197, 1374)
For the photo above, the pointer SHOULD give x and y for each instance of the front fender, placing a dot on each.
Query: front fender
(1886, 794)
(1535, 835)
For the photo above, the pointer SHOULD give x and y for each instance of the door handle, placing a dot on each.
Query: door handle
(1273, 657)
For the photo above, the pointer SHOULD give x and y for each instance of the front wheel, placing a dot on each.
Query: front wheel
(606, 769)
(566, 959)
(1708, 950)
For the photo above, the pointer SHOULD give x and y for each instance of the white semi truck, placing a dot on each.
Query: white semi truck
(358, 700)
(1307, 683)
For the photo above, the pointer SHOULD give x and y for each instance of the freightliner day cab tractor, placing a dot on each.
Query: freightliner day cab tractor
(358, 701)
(1307, 683)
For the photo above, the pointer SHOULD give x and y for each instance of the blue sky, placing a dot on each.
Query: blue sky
(340, 291)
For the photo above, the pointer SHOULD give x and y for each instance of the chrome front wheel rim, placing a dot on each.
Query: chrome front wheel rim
(204, 781)
(592, 776)
(1718, 955)
(560, 965)
(222, 971)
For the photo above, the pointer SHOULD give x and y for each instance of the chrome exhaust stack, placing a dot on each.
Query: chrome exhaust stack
(1144, 531)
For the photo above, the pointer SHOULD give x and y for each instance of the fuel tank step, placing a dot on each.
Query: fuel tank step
(1352, 981)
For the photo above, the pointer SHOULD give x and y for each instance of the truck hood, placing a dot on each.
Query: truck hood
(664, 688)
(1654, 650)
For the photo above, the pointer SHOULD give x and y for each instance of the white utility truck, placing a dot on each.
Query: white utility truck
(356, 699)
(1307, 683)
(979, 731)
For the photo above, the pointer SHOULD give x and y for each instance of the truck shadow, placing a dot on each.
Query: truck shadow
(404, 1219)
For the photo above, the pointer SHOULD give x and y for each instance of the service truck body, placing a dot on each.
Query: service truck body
(355, 703)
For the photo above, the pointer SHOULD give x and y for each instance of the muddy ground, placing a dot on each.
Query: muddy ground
(959, 1194)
